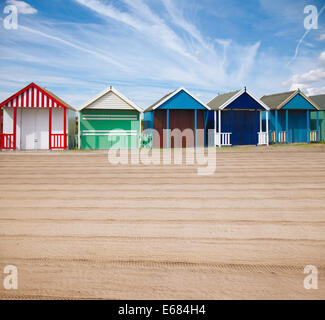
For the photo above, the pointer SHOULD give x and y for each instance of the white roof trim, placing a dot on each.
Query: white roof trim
(238, 94)
(174, 93)
(107, 90)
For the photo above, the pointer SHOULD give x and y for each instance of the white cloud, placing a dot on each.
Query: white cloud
(315, 91)
(322, 58)
(313, 76)
(22, 6)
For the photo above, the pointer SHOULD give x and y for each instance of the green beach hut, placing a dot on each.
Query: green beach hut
(109, 121)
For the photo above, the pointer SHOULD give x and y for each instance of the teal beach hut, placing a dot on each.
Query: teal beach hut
(290, 115)
(317, 118)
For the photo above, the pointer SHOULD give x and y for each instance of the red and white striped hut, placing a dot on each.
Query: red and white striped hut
(35, 118)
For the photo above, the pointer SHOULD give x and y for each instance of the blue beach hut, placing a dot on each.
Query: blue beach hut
(177, 120)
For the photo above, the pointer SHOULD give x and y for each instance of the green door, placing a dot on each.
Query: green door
(109, 129)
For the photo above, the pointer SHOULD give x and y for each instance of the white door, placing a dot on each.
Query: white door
(34, 129)
(42, 129)
(27, 133)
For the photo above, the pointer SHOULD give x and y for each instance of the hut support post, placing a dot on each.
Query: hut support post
(256, 126)
(219, 127)
(50, 128)
(79, 130)
(206, 140)
(15, 127)
(167, 133)
(267, 127)
(317, 126)
(287, 126)
(195, 127)
(65, 128)
(231, 120)
(140, 135)
(215, 127)
(261, 123)
(308, 126)
(276, 126)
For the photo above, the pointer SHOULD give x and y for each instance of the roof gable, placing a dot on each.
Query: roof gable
(298, 102)
(289, 100)
(245, 101)
(179, 99)
(110, 99)
(34, 96)
(240, 99)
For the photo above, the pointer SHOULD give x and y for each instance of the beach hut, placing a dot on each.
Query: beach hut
(236, 119)
(317, 118)
(35, 118)
(109, 121)
(290, 117)
(178, 120)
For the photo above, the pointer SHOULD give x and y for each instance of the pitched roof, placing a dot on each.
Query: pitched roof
(59, 99)
(44, 91)
(165, 97)
(221, 101)
(169, 95)
(274, 101)
(278, 100)
(319, 100)
(117, 93)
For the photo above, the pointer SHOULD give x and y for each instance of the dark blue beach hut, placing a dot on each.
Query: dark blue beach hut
(290, 117)
(236, 119)
(178, 120)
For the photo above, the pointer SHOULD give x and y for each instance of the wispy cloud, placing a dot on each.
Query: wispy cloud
(202, 62)
(141, 19)
(74, 46)
(145, 48)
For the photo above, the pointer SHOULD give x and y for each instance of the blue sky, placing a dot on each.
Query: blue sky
(146, 48)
